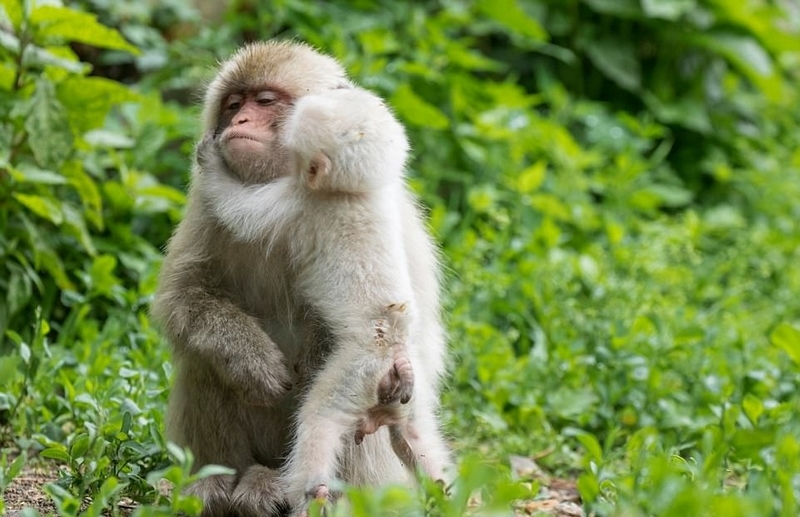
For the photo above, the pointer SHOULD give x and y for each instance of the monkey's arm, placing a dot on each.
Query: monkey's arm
(207, 328)
(346, 140)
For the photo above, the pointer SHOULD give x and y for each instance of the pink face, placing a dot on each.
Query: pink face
(248, 128)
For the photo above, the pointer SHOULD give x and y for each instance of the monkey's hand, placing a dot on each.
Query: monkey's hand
(396, 386)
(261, 380)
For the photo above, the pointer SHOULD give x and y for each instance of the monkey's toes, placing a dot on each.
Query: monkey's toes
(321, 492)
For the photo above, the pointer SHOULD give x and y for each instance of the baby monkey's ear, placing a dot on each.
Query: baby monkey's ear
(317, 171)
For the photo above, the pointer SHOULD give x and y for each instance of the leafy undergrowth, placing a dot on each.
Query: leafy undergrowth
(615, 186)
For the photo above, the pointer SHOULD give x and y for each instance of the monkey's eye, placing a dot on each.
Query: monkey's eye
(233, 103)
(266, 98)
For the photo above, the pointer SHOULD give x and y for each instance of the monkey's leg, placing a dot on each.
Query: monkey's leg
(209, 419)
(259, 493)
(215, 492)
(425, 439)
(311, 472)
(397, 384)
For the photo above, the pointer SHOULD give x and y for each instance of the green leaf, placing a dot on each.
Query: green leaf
(76, 226)
(748, 56)
(102, 274)
(588, 441)
(79, 446)
(64, 25)
(28, 173)
(13, 11)
(48, 129)
(8, 371)
(668, 9)
(87, 190)
(787, 338)
(16, 466)
(532, 177)
(37, 57)
(414, 110)
(511, 16)
(588, 486)
(686, 111)
(25, 352)
(44, 207)
(617, 59)
(88, 100)
(55, 453)
(213, 470)
(753, 407)
(621, 8)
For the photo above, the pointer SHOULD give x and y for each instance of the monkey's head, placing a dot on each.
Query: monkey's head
(247, 101)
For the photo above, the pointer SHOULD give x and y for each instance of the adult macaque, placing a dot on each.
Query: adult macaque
(251, 292)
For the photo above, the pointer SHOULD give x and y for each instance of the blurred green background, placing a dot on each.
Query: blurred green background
(615, 185)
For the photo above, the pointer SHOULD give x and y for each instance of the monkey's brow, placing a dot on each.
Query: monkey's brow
(250, 87)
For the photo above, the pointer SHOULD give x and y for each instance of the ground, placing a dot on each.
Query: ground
(558, 497)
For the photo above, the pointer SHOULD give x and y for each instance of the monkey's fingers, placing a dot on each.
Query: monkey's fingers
(405, 377)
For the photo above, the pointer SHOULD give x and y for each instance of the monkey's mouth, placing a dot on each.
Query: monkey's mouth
(241, 136)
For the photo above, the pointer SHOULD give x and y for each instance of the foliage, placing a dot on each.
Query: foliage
(614, 184)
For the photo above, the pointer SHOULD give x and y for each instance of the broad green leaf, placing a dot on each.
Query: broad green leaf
(28, 173)
(588, 441)
(19, 291)
(414, 110)
(88, 100)
(668, 9)
(213, 470)
(787, 338)
(25, 352)
(64, 25)
(8, 372)
(617, 59)
(12, 9)
(75, 225)
(47, 126)
(686, 111)
(87, 189)
(102, 274)
(746, 54)
(38, 57)
(532, 177)
(79, 446)
(7, 75)
(510, 15)
(550, 205)
(56, 454)
(742, 50)
(44, 207)
(753, 407)
(16, 466)
(621, 8)
(588, 486)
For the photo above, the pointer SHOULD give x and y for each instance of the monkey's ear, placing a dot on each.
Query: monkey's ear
(318, 169)
(204, 149)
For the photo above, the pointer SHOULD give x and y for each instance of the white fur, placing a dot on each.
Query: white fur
(357, 246)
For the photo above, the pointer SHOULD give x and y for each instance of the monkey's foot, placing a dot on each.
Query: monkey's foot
(259, 494)
(398, 383)
(215, 491)
(320, 494)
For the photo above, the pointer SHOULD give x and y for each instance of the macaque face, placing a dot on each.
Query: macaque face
(247, 132)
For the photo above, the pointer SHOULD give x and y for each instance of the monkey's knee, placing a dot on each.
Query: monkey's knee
(215, 492)
(259, 494)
